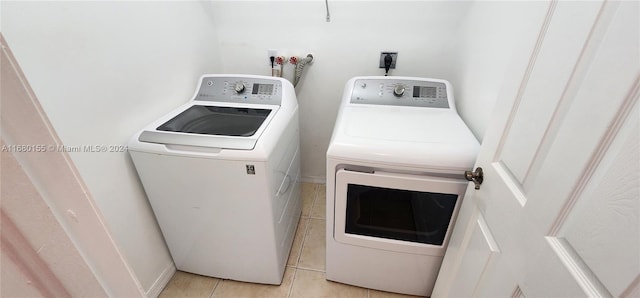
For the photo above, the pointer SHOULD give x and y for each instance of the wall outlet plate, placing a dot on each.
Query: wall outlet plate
(394, 56)
(271, 53)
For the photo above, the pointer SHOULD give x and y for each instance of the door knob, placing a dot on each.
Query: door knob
(476, 176)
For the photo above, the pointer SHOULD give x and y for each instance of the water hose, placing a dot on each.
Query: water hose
(300, 67)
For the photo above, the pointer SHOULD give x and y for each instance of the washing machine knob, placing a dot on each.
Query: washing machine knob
(398, 90)
(239, 87)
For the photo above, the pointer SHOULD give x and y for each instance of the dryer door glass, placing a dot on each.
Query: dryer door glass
(398, 214)
(212, 120)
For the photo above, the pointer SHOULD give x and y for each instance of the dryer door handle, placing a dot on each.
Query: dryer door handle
(476, 176)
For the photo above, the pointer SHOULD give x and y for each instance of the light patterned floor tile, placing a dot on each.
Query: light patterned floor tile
(184, 284)
(314, 284)
(307, 252)
(313, 248)
(308, 195)
(381, 294)
(231, 288)
(320, 203)
(294, 255)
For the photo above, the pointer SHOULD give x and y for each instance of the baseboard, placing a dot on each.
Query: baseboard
(161, 281)
(314, 179)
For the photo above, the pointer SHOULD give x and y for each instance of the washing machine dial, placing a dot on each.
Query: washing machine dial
(398, 90)
(239, 87)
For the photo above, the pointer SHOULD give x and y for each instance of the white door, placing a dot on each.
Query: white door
(558, 212)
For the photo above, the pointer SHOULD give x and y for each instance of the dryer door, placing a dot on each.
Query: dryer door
(397, 212)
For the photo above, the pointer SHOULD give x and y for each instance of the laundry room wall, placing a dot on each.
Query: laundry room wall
(488, 37)
(469, 43)
(422, 32)
(102, 70)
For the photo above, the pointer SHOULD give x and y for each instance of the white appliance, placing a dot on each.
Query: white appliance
(221, 173)
(395, 181)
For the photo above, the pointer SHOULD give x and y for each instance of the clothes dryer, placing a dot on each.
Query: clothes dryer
(395, 181)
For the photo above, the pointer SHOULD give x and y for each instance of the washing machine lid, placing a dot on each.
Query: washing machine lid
(215, 120)
(213, 125)
(406, 136)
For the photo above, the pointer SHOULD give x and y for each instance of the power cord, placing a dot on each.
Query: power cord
(387, 63)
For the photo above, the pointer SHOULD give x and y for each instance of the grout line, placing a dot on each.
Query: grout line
(218, 281)
(293, 280)
(304, 240)
(306, 228)
(313, 195)
(304, 235)
(312, 269)
(313, 201)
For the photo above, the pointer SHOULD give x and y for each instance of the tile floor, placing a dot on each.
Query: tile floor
(305, 272)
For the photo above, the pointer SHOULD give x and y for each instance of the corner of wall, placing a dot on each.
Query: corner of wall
(162, 281)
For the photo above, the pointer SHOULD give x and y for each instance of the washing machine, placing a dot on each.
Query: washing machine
(395, 182)
(221, 174)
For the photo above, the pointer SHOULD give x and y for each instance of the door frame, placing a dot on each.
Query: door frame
(62, 191)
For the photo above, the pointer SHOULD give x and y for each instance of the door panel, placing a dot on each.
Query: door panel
(602, 227)
(562, 160)
(482, 252)
(563, 38)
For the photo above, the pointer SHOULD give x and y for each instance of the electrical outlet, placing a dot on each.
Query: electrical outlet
(271, 53)
(394, 58)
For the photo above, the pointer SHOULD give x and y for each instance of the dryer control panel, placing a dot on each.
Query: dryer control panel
(401, 92)
(240, 89)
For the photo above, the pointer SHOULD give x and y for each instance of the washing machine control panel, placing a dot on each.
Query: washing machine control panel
(244, 90)
(399, 92)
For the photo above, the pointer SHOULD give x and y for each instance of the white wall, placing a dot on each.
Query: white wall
(102, 70)
(469, 43)
(487, 38)
(423, 32)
